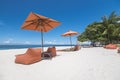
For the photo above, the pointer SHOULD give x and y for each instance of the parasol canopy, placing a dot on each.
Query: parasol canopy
(70, 33)
(39, 23)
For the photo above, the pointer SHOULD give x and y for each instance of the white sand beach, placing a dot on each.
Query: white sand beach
(85, 64)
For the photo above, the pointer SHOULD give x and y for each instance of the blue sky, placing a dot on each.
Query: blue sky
(73, 14)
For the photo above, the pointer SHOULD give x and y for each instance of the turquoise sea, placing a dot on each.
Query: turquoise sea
(6, 47)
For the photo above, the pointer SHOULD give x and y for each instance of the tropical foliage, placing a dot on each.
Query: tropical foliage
(106, 31)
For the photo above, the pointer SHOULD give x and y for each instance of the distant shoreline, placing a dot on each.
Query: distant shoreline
(7, 47)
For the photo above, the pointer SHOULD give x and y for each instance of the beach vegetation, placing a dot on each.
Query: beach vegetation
(106, 31)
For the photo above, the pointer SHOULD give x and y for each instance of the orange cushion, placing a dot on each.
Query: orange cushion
(111, 46)
(34, 51)
(32, 55)
(76, 48)
(52, 50)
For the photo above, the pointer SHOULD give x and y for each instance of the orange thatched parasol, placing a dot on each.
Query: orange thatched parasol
(70, 33)
(39, 23)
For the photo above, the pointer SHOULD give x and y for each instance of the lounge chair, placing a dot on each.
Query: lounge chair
(32, 55)
(51, 52)
(111, 46)
(76, 48)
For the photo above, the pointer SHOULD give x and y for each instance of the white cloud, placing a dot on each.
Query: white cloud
(50, 42)
(54, 42)
(10, 40)
(6, 42)
(27, 42)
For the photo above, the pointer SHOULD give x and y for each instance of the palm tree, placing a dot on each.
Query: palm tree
(109, 25)
(108, 30)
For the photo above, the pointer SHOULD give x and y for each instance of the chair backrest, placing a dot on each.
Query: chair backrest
(49, 49)
(52, 50)
(76, 48)
(34, 51)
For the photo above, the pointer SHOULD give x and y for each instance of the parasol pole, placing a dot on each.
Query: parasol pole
(42, 41)
(70, 41)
